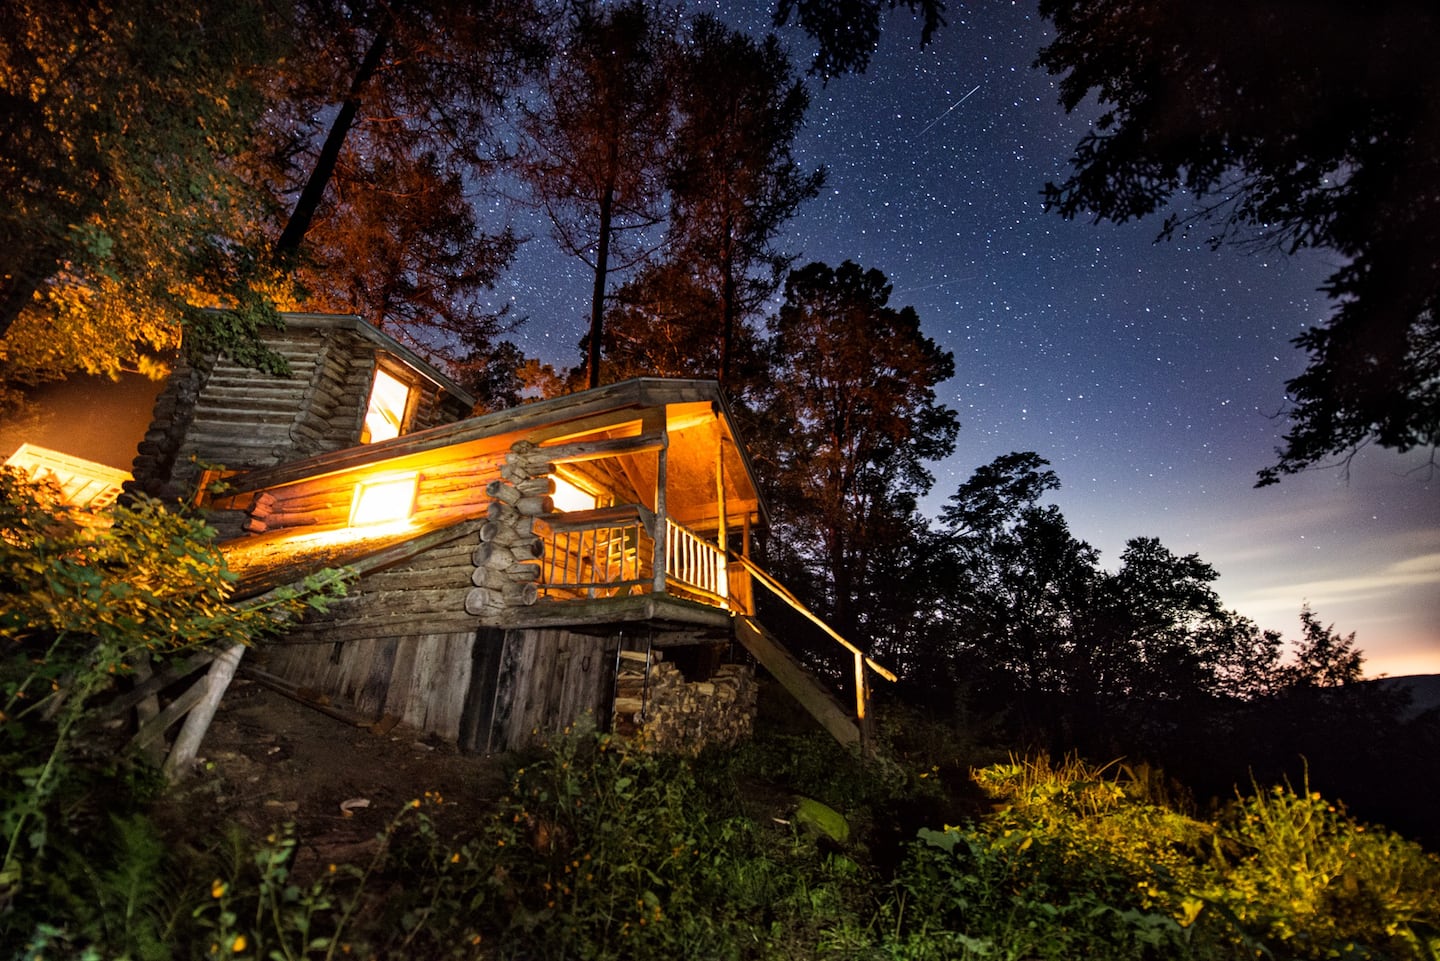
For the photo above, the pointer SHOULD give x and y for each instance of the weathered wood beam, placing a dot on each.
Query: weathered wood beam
(610, 447)
(799, 682)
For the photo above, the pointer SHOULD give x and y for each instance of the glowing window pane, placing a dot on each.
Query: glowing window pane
(379, 501)
(385, 418)
(569, 497)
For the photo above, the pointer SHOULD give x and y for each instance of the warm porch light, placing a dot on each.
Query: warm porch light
(570, 496)
(383, 499)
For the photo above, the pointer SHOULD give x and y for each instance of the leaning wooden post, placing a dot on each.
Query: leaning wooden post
(197, 722)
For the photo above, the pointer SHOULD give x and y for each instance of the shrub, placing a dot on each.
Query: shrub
(87, 598)
(1083, 861)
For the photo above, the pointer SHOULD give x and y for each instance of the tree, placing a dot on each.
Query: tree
(1015, 582)
(119, 122)
(661, 323)
(379, 138)
(852, 418)
(1294, 125)
(594, 146)
(1321, 658)
(733, 181)
(846, 34)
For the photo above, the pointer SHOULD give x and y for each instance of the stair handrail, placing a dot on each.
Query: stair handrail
(782, 592)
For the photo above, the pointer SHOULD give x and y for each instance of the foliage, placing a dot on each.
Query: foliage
(1116, 660)
(121, 123)
(386, 190)
(853, 419)
(602, 849)
(732, 178)
(1014, 579)
(609, 851)
(85, 604)
(1308, 126)
(1080, 861)
(593, 151)
(846, 34)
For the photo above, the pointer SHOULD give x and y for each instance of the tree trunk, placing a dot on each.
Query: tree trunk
(597, 293)
(16, 293)
(727, 306)
(304, 214)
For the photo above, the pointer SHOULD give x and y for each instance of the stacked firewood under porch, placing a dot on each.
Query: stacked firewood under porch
(653, 698)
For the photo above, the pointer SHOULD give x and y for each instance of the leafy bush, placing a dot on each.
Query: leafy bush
(609, 851)
(1302, 877)
(86, 599)
(1080, 861)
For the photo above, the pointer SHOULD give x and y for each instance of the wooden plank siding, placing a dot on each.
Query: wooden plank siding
(547, 680)
(400, 643)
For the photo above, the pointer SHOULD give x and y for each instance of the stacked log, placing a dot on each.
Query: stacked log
(507, 561)
(678, 716)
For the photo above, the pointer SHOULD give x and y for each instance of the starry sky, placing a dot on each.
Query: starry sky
(1149, 374)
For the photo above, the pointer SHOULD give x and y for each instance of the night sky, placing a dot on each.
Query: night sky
(1148, 374)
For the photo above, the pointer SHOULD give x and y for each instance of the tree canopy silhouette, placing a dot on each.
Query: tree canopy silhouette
(1298, 125)
(853, 420)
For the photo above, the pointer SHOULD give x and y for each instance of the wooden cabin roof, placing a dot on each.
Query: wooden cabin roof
(696, 417)
(384, 341)
(267, 561)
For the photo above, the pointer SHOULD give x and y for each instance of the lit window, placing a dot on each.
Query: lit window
(570, 496)
(389, 402)
(383, 499)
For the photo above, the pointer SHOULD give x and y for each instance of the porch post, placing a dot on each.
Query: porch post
(720, 489)
(662, 524)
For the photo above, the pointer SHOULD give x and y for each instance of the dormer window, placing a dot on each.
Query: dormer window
(388, 414)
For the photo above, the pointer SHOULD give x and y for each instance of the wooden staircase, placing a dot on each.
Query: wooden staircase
(797, 680)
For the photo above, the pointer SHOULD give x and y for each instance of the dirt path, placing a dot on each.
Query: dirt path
(268, 760)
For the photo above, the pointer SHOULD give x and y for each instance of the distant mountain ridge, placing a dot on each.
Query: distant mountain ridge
(1424, 691)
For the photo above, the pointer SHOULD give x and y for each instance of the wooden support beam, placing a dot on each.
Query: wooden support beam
(597, 449)
(661, 533)
(720, 536)
(211, 688)
(793, 676)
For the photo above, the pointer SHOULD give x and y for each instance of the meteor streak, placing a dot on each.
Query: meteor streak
(947, 113)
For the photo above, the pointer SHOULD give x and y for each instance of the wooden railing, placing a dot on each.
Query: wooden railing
(599, 553)
(862, 660)
(696, 565)
(611, 551)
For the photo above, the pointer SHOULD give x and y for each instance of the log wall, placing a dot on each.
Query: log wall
(221, 413)
(443, 493)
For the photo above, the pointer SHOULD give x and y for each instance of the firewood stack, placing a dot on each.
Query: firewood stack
(678, 716)
(507, 562)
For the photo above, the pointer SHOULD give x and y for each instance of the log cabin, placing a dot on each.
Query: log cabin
(515, 571)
